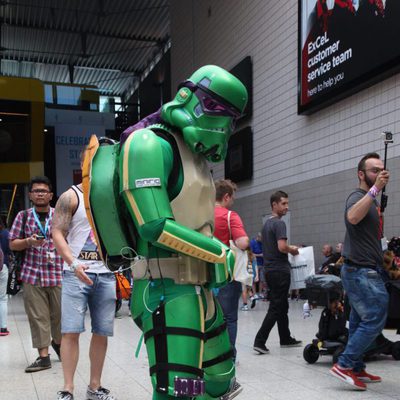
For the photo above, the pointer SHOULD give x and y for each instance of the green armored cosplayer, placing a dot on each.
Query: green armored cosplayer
(154, 193)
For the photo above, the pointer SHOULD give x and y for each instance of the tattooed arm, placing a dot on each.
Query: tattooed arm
(61, 221)
(65, 207)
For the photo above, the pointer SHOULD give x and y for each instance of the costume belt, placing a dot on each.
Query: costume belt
(183, 270)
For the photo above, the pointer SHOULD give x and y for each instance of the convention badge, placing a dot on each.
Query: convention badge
(384, 244)
(51, 256)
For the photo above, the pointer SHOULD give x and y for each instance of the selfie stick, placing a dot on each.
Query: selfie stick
(388, 138)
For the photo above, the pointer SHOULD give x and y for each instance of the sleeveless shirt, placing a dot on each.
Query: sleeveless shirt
(81, 239)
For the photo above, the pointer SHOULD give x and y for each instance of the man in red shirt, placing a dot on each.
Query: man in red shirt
(229, 295)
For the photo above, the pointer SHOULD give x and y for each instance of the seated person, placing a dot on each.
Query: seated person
(330, 258)
(332, 324)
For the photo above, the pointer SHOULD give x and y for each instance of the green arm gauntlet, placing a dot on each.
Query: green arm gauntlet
(194, 244)
(191, 243)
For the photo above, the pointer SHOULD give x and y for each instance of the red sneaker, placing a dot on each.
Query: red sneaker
(364, 376)
(348, 376)
(4, 332)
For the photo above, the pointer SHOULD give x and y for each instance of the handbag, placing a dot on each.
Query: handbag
(13, 282)
(240, 273)
(301, 267)
(123, 286)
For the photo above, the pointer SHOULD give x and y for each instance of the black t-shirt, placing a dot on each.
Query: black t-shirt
(362, 243)
(42, 218)
(274, 229)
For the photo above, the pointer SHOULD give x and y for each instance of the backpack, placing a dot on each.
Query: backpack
(14, 282)
(116, 239)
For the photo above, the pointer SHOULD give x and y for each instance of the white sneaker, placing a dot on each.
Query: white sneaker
(64, 395)
(99, 394)
(234, 390)
(244, 307)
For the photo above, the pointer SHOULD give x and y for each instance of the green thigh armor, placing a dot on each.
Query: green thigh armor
(179, 342)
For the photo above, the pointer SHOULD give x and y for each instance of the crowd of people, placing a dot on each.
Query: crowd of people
(58, 242)
(187, 289)
(358, 261)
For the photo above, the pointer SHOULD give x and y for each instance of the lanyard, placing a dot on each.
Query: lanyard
(38, 223)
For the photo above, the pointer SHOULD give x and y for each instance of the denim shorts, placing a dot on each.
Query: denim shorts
(78, 296)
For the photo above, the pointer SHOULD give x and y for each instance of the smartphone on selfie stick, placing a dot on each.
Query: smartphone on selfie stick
(388, 138)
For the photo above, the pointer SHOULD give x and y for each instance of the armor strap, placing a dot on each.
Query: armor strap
(161, 349)
(165, 367)
(215, 332)
(167, 330)
(217, 360)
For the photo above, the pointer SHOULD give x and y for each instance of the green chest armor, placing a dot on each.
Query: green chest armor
(193, 207)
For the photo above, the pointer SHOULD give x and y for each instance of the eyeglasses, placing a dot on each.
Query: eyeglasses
(374, 170)
(40, 191)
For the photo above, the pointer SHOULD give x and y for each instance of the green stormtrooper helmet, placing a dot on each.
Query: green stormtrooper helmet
(206, 108)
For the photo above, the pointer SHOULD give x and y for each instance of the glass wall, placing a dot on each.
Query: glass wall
(72, 96)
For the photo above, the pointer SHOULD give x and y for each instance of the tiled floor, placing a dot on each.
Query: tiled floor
(280, 375)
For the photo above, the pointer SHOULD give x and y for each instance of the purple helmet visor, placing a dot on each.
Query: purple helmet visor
(211, 103)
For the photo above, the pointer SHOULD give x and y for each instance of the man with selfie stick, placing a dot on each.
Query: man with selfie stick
(41, 271)
(361, 271)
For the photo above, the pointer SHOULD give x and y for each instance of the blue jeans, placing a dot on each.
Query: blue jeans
(369, 303)
(76, 296)
(228, 297)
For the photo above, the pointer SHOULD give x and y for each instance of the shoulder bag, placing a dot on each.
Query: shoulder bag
(240, 273)
(14, 282)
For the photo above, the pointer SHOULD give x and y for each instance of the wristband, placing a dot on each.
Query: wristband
(74, 265)
(373, 192)
(28, 243)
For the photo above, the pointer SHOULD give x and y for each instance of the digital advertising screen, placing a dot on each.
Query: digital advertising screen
(345, 46)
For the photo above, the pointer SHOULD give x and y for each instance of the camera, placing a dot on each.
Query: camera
(388, 137)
